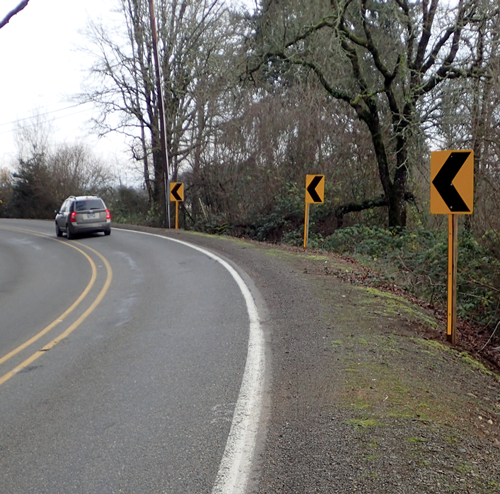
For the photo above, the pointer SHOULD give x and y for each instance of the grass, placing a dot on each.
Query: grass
(365, 423)
(416, 440)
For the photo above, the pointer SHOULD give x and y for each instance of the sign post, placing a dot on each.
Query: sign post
(315, 194)
(452, 193)
(451, 332)
(306, 225)
(176, 195)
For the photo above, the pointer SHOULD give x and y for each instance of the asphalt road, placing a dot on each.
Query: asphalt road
(122, 360)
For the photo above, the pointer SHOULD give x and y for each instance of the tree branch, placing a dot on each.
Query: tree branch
(13, 12)
(428, 19)
(355, 207)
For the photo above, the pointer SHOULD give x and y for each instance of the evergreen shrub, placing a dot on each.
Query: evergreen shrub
(420, 260)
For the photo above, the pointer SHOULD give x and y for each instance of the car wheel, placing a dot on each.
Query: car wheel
(69, 235)
(107, 232)
(58, 231)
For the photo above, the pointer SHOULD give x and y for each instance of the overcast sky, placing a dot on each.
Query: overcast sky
(41, 69)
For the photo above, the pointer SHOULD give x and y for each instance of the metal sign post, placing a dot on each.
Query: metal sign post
(451, 330)
(306, 225)
(315, 194)
(176, 195)
(452, 193)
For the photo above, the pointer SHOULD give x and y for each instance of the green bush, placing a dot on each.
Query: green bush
(420, 260)
(128, 205)
(281, 220)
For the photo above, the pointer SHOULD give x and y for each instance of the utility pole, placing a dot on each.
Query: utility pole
(163, 127)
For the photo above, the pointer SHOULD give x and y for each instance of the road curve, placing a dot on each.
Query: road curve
(152, 357)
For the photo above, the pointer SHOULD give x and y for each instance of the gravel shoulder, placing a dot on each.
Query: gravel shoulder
(365, 395)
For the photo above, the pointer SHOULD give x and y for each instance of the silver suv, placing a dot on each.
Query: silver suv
(82, 214)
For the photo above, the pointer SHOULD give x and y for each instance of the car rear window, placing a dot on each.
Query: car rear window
(89, 204)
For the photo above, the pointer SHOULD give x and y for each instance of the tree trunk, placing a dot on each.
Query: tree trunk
(394, 190)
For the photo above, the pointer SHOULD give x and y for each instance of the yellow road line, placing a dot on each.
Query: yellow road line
(71, 328)
(64, 314)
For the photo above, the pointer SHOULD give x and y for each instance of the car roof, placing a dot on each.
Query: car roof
(84, 198)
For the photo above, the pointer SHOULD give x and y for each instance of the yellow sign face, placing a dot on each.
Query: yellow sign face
(176, 191)
(452, 182)
(315, 189)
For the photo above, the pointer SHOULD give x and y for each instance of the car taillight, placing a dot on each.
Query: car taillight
(108, 214)
(72, 217)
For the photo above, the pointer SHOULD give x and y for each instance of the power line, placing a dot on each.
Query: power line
(19, 120)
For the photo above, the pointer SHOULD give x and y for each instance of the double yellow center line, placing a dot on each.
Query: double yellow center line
(64, 315)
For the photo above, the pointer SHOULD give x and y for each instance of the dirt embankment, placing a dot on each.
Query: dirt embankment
(366, 396)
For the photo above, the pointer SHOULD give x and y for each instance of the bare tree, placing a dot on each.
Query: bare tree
(190, 37)
(46, 173)
(76, 170)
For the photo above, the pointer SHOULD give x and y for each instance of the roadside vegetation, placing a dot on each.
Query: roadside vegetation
(358, 91)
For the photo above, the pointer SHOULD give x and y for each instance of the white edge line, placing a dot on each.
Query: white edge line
(235, 467)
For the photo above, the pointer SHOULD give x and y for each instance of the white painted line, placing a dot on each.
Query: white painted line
(236, 464)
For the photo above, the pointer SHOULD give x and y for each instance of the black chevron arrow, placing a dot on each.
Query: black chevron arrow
(174, 190)
(312, 188)
(444, 182)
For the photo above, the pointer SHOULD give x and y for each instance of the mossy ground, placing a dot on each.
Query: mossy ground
(419, 408)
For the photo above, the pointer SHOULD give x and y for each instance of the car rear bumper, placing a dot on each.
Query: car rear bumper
(100, 226)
